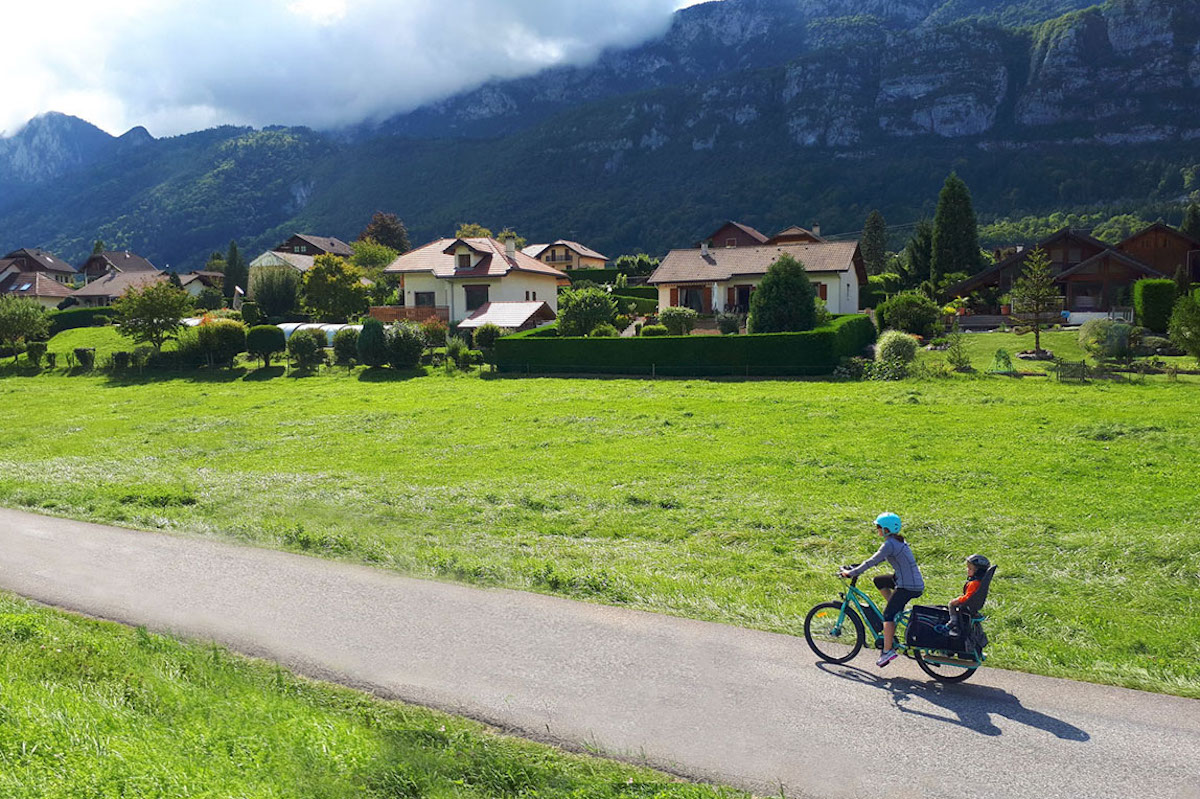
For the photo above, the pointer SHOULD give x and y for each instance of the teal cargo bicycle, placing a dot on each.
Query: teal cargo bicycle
(947, 646)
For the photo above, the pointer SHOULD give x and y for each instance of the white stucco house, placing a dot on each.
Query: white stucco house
(453, 278)
(711, 279)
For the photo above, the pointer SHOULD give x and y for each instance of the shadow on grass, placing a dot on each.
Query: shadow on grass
(264, 373)
(380, 374)
(972, 706)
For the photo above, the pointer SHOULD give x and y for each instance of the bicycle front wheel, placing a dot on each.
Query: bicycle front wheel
(830, 641)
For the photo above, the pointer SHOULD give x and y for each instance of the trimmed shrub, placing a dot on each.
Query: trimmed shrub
(909, 313)
(1185, 326)
(372, 343)
(222, 340)
(487, 335)
(805, 353)
(51, 360)
(1153, 299)
(81, 317)
(188, 352)
(121, 360)
(35, 351)
(640, 292)
(252, 315)
(640, 305)
(345, 346)
(604, 331)
(592, 275)
(783, 301)
(652, 331)
(265, 342)
(307, 348)
(729, 324)
(405, 343)
(85, 357)
(679, 321)
(896, 346)
(622, 322)
(853, 334)
(581, 310)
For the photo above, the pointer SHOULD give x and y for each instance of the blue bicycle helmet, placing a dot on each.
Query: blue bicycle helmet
(889, 522)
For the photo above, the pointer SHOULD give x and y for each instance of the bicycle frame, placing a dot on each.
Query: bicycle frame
(853, 592)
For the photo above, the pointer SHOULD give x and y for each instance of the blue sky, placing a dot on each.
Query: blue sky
(182, 65)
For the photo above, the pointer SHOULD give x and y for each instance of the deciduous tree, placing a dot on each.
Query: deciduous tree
(581, 310)
(332, 290)
(153, 313)
(471, 230)
(276, 290)
(387, 229)
(21, 320)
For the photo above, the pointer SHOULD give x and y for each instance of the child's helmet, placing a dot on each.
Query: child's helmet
(889, 522)
(979, 561)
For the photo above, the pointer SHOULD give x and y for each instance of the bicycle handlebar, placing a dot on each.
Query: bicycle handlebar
(854, 579)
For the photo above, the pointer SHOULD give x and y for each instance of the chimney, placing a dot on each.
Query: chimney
(704, 248)
(510, 246)
(816, 228)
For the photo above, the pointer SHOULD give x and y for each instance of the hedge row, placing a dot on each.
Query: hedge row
(644, 306)
(1153, 300)
(813, 352)
(594, 275)
(645, 292)
(72, 318)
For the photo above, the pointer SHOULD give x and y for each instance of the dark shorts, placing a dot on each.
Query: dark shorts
(900, 596)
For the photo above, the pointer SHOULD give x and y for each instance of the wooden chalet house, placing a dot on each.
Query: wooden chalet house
(1094, 277)
(31, 259)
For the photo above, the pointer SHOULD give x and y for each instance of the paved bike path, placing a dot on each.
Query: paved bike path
(708, 701)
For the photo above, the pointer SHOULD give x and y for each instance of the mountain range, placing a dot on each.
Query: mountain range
(772, 112)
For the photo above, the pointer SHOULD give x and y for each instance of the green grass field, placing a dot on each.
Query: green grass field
(92, 709)
(981, 347)
(729, 501)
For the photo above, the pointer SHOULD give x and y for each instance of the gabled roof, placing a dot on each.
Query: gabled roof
(749, 231)
(534, 250)
(980, 277)
(301, 263)
(1194, 243)
(33, 284)
(123, 261)
(1117, 255)
(115, 284)
(329, 244)
(437, 257)
(46, 260)
(795, 231)
(510, 315)
(720, 264)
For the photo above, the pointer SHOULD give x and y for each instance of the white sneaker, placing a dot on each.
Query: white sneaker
(886, 658)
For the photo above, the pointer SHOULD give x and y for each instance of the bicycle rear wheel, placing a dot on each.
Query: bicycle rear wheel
(943, 672)
(830, 642)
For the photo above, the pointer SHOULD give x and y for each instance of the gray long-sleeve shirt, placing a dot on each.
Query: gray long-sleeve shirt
(900, 556)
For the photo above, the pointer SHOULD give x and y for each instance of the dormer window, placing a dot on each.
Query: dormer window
(463, 260)
(730, 242)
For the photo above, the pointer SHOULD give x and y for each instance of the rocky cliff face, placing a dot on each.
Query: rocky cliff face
(54, 144)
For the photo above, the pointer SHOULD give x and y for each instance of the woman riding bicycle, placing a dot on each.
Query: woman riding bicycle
(899, 588)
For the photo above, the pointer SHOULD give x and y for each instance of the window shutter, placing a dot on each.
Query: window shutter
(823, 291)
(674, 297)
(730, 297)
(706, 299)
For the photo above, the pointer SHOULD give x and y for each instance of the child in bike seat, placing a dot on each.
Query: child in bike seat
(976, 566)
(898, 589)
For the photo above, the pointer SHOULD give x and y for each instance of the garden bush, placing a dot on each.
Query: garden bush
(265, 342)
(372, 342)
(405, 343)
(1105, 339)
(581, 310)
(909, 313)
(221, 340)
(1185, 326)
(35, 351)
(729, 324)
(345, 346)
(121, 359)
(604, 331)
(81, 317)
(640, 292)
(51, 360)
(679, 321)
(651, 331)
(457, 352)
(85, 357)
(638, 305)
(896, 346)
(1153, 299)
(435, 331)
(783, 301)
(307, 348)
(188, 352)
(209, 299)
(252, 315)
(622, 322)
(486, 336)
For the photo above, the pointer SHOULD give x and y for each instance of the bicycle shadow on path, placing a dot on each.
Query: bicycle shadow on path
(973, 705)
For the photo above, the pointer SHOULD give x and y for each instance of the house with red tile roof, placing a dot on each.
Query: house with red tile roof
(32, 259)
(453, 278)
(564, 254)
(37, 286)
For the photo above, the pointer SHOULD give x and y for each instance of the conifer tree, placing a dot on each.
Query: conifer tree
(874, 244)
(1035, 294)
(237, 273)
(918, 253)
(955, 232)
(1191, 220)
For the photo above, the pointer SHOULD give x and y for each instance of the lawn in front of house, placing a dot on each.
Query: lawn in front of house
(1064, 344)
(96, 709)
(728, 501)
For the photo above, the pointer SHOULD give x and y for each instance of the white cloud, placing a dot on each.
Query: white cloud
(179, 65)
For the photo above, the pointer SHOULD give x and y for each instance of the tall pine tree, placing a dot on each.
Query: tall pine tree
(918, 252)
(237, 273)
(955, 232)
(874, 244)
(1191, 220)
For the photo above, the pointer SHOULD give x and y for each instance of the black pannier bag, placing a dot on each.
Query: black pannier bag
(923, 621)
